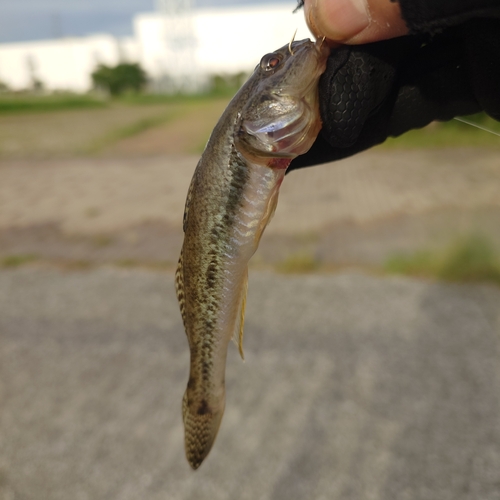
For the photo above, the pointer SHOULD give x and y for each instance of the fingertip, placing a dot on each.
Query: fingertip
(354, 21)
(337, 20)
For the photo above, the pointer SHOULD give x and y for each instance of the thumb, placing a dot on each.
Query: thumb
(354, 21)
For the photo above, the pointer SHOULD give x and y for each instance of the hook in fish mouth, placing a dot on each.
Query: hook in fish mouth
(321, 45)
(290, 44)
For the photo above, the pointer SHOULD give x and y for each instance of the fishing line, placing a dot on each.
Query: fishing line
(459, 119)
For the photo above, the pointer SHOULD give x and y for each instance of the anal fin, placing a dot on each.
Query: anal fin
(240, 317)
(268, 214)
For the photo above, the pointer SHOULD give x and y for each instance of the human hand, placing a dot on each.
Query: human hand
(373, 91)
(354, 21)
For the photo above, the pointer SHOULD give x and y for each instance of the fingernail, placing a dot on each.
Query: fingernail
(338, 20)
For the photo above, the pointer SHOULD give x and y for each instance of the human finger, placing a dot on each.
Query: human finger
(354, 21)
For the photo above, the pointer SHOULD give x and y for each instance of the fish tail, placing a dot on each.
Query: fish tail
(201, 425)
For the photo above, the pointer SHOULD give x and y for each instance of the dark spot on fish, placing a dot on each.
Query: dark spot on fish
(203, 408)
(205, 369)
(212, 274)
(191, 383)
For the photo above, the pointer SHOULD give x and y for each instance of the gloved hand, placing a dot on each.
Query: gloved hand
(383, 89)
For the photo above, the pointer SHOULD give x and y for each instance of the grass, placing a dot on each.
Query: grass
(448, 134)
(17, 260)
(158, 99)
(140, 126)
(130, 130)
(102, 240)
(32, 133)
(468, 259)
(298, 263)
(25, 103)
(134, 263)
(437, 134)
(32, 103)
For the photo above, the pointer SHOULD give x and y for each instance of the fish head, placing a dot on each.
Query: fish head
(280, 118)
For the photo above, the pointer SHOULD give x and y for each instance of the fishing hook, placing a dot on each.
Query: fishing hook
(290, 44)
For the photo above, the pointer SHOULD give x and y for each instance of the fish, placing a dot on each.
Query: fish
(233, 194)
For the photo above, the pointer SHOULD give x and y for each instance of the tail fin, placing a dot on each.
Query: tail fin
(201, 425)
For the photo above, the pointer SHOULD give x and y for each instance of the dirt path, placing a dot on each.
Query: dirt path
(115, 208)
(118, 129)
(186, 134)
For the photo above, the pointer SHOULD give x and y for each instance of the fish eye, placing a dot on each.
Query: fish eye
(270, 62)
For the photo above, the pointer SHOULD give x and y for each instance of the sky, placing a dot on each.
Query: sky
(22, 20)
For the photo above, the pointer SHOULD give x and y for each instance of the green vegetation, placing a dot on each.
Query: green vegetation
(471, 258)
(298, 263)
(123, 83)
(119, 79)
(102, 240)
(17, 260)
(141, 126)
(226, 85)
(133, 263)
(158, 99)
(129, 131)
(77, 265)
(448, 134)
(11, 103)
(16, 103)
(113, 117)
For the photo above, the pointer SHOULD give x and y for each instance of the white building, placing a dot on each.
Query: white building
(63, 64)
(212, 41)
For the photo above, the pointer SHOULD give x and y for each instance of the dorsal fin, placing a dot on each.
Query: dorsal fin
(188, 203)
(179, 288)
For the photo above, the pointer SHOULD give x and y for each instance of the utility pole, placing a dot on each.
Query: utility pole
(180, 44)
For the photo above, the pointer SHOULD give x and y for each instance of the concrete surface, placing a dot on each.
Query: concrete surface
(354, 387)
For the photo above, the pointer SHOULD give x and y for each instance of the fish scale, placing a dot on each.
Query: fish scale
(232, 196)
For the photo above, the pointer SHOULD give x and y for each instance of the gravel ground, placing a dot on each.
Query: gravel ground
(354, 387)
(358, 211)
(90, 196)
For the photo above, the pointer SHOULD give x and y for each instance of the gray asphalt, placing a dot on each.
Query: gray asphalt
(354, 387)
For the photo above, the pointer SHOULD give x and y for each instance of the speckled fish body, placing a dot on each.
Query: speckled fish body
(272, 119)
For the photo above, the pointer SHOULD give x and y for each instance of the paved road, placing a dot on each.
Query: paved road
(354, 387)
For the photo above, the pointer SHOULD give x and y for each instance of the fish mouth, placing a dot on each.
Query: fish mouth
(321, 45)
(306, 64)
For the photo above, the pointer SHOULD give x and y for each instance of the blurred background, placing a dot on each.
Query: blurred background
(372, 332)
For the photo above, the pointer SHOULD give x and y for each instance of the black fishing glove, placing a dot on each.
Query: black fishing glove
(379, 90)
